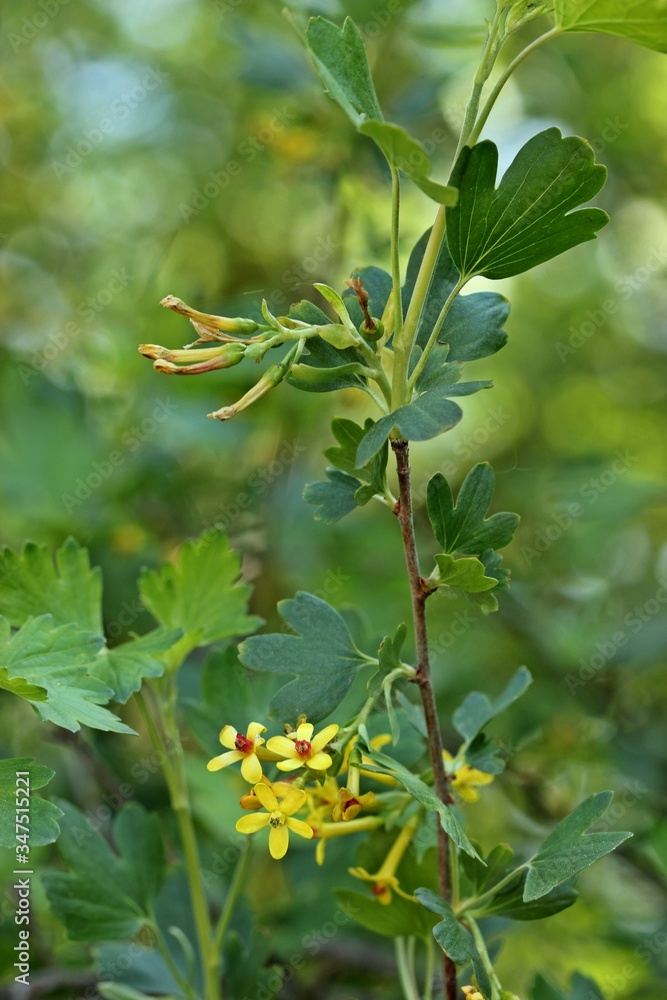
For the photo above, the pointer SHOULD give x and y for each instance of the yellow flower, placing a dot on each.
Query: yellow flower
(472, 993)
(250, 801)
(385, 881)
(465, 779)
(243, 748)
(349, 804)
(376, 744)
(304, 749)
(279, 817)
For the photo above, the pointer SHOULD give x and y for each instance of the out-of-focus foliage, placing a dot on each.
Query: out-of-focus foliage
(186, 147)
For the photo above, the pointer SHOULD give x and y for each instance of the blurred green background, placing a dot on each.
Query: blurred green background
(120, 125)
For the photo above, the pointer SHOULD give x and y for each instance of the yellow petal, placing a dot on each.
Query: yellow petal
(254, 729)
(251, 769)
(281, 745)
(380, 741)
(228, 737)
(320, 741)
(252, 822)
(305, 731)
(447, 757)
(320, 762)
(479, 777)
(319, 851)
(224, 760)
(278, 841)
(266, 796)
(290, 765)
(298, 826)
(293, 801)
(466, 793)
(362, 874)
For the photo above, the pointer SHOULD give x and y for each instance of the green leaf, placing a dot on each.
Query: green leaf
(424, 418)
(473, 328)
(464, 528)
(581, 988)
(477, 709)
(318, 354)
(640, 21)
(31, 584)
(200, 593)
(528, 219)
(455, 940)
(569, 849)
(20, 687)
(390, 921)
(340, 60)
(116, 991)
(424, 794)
(321, 654)
(44, 815)
(510, 903)
(106, 896)
(124, 667)
(465, 574)
(333, 499)
(60, 661)
(311, 376)
(409, 156)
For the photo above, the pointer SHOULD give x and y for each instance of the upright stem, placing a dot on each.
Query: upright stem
(423, 678)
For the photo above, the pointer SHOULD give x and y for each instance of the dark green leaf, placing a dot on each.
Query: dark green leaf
(454, 939)
(427, 416)
(333, 499)
(322, 655)
(409, 156)
(569, 849)
(477, 709)
(473, 328)
(60, 661)
(200, 592)
(640, 21)
(528, 219)
(581, 988)
(340, 60)
(44, 816)
(106, 896)
(464, 528)
(321, 355)
(511, 905)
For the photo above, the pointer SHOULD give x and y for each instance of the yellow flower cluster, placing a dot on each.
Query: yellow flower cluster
(472, 993)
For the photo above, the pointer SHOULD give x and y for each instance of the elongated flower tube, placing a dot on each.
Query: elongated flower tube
(325, 831)
(238, 324)
(269, 380)
(208, 359)
(385, 881)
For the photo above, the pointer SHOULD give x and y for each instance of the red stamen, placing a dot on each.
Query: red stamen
(243, 744)
(379, 889)
(303, 748)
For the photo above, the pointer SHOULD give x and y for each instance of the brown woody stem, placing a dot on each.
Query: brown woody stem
(423, 678)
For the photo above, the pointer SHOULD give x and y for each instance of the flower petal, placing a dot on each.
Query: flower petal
(266, 796)
(251, 769)
(290, 765)
(278, 841)
(298, 826)
(362, 874)
(305, 731)
(254, 729)
(281, 745)
(252, 822)
(293, 801)
(224, 760)
(325, 736)
(228, 737)
(320, 762)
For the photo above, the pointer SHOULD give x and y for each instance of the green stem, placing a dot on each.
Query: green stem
(407, 985)
(163, 948)
(476, 901)
(480, 944)
(395, 261)
(231, 900)
(430, 968)
(502, 80)
(155, 737)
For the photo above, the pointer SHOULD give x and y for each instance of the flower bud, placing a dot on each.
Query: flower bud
(271, 378)
(207, 360)
(236, 325)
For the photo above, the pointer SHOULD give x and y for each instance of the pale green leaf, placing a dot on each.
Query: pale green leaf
(123, 668)
(409, 156)
(466, 574)
(640, 21)
(340, 60)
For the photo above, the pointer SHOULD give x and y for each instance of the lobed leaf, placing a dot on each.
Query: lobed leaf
(464, 528)
(44, 815)
(477, 709)
(528, 219)
(640, 21)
